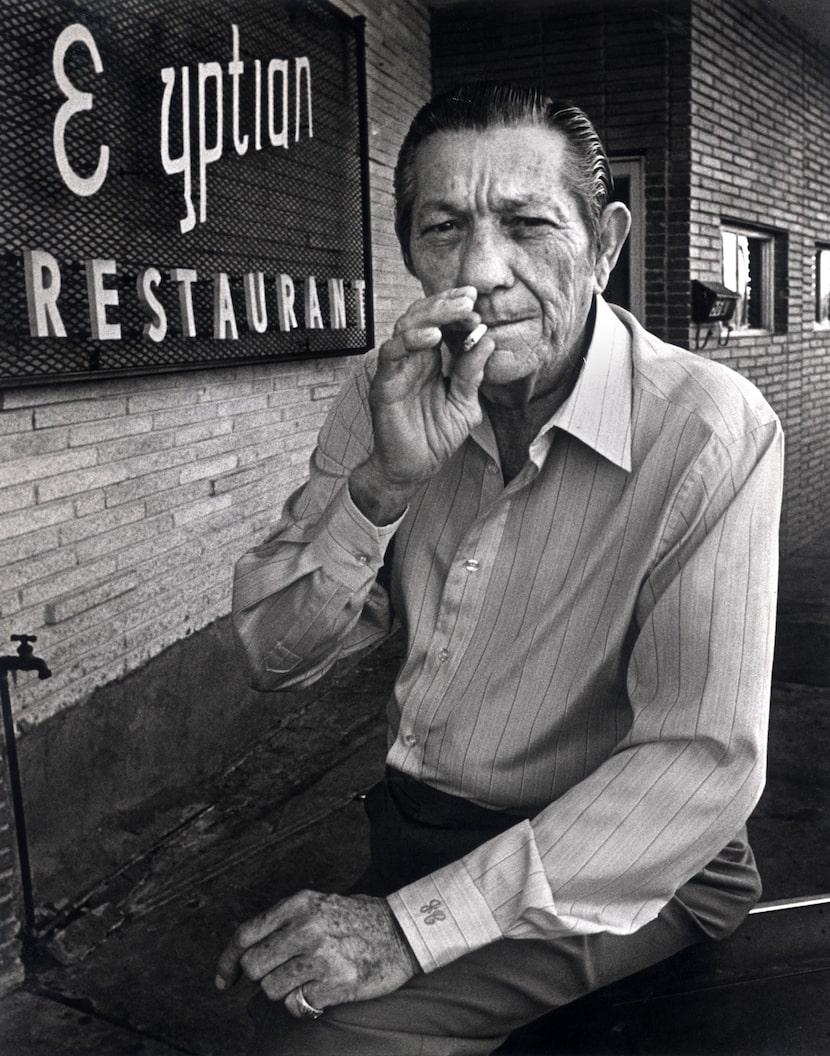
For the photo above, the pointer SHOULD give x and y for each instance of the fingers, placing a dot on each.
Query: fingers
(269, 953)
(422, 326)
(263, 925)
(299, 971)
(452, 308)
(413, 340)
(228, 967)
(467, 371)
(239, 955)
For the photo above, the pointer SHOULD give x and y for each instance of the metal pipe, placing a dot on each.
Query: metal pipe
(25, 660)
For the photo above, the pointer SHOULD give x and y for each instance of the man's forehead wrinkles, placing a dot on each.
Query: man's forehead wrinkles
(508, 203)
(439, 205)
(494, 201)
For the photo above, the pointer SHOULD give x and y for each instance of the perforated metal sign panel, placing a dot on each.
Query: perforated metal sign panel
(183, 185)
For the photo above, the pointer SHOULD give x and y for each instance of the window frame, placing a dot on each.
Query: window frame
(819, 324)
(766, 238)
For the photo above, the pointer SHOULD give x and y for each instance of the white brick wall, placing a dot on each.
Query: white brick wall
(125, 502)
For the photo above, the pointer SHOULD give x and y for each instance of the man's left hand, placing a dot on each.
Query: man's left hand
(337, 948)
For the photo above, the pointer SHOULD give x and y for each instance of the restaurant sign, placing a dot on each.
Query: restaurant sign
(184, 184)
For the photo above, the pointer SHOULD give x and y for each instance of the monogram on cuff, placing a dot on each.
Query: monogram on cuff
(432, 912)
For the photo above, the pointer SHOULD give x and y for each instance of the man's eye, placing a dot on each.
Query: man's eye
(444, 227)
(522, 223)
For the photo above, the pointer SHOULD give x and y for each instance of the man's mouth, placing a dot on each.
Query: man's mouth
(507, 332)
(496, 323)
(497, 328)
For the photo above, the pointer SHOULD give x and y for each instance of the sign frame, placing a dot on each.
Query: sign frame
(206, 351)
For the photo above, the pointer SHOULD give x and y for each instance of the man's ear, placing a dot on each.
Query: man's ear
(614, 225)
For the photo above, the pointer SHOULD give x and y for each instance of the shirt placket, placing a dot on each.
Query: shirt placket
(460, 607)
(460, 604)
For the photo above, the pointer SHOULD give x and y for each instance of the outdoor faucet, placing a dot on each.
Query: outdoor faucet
(25, 660)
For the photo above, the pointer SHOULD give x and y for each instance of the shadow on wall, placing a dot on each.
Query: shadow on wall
(105, 781)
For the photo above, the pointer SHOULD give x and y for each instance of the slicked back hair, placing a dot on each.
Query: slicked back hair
(492, 104)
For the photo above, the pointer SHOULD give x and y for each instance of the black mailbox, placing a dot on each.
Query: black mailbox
(712, 302)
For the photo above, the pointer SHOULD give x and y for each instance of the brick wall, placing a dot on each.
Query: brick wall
(125, 502)
(760, 137)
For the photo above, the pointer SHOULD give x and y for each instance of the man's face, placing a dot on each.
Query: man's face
(495, 210)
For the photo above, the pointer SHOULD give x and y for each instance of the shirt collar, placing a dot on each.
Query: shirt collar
(598, 410)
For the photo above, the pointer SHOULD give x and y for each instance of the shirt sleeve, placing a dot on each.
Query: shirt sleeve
(611, 852)
(309, 593)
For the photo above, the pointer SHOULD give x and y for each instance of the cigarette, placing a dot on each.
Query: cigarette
(473, 338)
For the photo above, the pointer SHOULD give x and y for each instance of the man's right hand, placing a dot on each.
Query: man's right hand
(419, 417)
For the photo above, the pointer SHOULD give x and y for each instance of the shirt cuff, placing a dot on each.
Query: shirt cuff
(444, 916)
(350, 543)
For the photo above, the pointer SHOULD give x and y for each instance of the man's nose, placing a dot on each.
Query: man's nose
(486, 260)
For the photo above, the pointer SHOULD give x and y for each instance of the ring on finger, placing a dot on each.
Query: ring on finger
(297, 1005)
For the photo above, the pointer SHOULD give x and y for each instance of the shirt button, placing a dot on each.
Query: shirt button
(471, 564)
(444, 655)
(362, 559)
(410, 739)
(492, 467)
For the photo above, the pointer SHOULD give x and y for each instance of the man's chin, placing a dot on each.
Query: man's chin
(504, 367)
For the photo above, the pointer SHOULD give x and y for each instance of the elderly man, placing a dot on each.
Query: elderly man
(584, 523)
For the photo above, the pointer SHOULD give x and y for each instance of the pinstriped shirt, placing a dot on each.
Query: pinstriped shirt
(591, 643)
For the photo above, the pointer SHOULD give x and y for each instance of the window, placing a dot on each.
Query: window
(822, 282)
(748, 270)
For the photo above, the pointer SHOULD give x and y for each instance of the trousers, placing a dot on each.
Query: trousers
(469, 1007)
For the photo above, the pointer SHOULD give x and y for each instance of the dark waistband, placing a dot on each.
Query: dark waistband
(429, 806)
